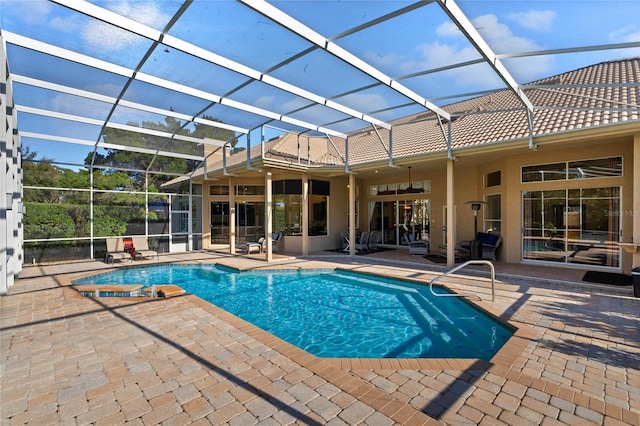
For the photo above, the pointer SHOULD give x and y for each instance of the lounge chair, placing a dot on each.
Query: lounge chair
(115, 251)
(255, 245)
(141, 247)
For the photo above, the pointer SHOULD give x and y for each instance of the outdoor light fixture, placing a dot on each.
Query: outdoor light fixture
(476, 245)
(475, 208)
(411, 189)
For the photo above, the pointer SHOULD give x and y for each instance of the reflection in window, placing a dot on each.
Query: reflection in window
(493, 179)
(585, 169)
(544, 172)
(603, 167)
(218, 189)
(577, 226)
(287, 199)
(249, 189)
(492, 213)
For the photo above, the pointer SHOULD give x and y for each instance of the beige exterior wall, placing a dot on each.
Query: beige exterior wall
(470, 169)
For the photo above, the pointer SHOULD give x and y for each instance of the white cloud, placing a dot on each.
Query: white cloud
(103, 36)
(264, 101)
(38, 11)
(536, 20)
(448, 29)
(630, 33)
(364, 102)
(501, 39)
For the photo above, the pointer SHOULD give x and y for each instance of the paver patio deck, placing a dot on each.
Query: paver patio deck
(68, 359)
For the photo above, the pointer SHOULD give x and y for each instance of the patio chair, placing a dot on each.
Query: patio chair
(141, 247)
(362, 244)
(115, 251)
(375, 239)
(490, 243)
(276, 237)
(417, 247)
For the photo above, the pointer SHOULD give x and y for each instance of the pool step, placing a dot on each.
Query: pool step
(109, 290)
(165, 290)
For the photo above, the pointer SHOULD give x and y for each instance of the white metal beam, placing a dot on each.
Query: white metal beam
(156, 81)
(86, 142)
(310, 35)
(464, 24)
(191, 49)
(119, 126)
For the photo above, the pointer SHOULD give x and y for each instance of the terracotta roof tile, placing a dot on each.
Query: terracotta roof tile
(598, 95)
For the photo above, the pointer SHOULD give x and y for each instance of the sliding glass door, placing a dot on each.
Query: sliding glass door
(397, 219)
(572, 226)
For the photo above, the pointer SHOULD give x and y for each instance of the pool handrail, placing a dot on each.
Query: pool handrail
(469, 262)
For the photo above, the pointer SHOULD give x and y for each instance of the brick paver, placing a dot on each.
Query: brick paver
(71, 359)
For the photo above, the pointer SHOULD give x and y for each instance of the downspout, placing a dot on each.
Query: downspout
(346, 155)
(224, 160)
(249, 166)
(532, 145)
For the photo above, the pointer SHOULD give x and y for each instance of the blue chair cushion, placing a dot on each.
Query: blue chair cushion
(488, 239)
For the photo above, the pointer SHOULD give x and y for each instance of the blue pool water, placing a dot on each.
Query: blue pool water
(336, 314)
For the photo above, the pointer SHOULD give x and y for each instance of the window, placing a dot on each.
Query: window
(493, 179)
(287, 197)
(493, 213)
(417, 187)
(219, 190)
(544, 172)
(249, 189)
(603, 167)
(572, 226)
(584, 169)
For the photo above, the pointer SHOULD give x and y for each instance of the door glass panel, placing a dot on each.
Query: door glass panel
(576, 226)
(250, 221)
(220, 222)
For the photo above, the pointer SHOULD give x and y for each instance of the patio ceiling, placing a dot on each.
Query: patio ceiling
(167, 78)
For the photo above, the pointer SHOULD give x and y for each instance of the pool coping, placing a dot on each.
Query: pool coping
(505, 356)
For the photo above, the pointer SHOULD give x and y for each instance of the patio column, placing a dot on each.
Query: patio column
(232, 217)
(268, 211)
(636, 198)
(451, 225)
(305, 214)
(352, 214)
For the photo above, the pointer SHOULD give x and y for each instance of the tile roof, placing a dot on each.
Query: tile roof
(598, 95)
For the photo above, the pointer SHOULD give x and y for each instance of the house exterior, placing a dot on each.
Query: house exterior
(561, 185)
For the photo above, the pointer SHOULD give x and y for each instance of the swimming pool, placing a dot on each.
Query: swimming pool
(334, 313)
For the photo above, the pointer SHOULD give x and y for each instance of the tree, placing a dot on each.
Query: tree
(156, 165)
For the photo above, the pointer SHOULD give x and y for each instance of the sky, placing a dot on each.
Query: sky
(423, 39)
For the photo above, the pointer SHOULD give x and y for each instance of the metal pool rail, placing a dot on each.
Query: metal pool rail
(469, 262)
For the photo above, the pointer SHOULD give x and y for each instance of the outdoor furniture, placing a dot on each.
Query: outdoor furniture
(276, 237)
(490, 243)
(255, 245)
(442, 252)
(346, 244)
(115, 250)
(141, 248)
(417, 247)
(375, 239)
(363, 243)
